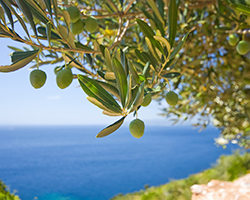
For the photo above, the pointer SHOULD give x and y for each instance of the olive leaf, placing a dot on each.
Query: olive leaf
(121, 79)
(108, 59)
(8, 13)
(101, 106)
(48, 5)
(171, 75)
(7, 2)
(172, 21)
(111, 128)
(153, 6)
(37, 11)
(179, 46)
(138, 99)
(93, 89)
(166, 44)
(110, 88)
(27, 13)
(19, 59)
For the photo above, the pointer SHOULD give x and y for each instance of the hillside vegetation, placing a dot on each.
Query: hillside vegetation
(227, 168)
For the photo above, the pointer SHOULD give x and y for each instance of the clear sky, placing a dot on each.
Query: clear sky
(21, 104)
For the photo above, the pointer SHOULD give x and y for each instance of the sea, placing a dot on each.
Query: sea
(69, 163)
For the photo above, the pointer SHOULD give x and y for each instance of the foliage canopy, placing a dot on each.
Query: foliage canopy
(125, 50)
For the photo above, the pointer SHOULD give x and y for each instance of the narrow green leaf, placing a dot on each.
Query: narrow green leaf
(138, 99)
(146, 69)
(14, 48)
(161, 7)
(71, 39)
(241, 8)
(2, 17)
(112, 114)
(121, 79)
(134, 74)
(8, 13)
(93, 89)
(152, 50)
(19, 62)
(37, 11)
(172, 21)
(140, 56)
(99, 104)
(179, 46)
(153, 6)
(27, 13)
(111, 128)
(66, 18)
(110, 88)
(17, 16)
(146, 29)
(81, 46)
(129, 91)
(55, 7)
(171, 75)
(48, 5)
(165, 42)
(42, 31)
(108, 59)
(148, 32)
(20, 55)
(63, 32)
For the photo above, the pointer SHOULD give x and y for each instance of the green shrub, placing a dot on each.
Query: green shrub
(227, 168)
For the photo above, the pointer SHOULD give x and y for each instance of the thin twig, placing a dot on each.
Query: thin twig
(128, 6)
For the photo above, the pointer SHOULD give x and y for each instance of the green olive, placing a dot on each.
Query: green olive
(74, 13)
(243, 47)
(233, 39)
(136, 128)
(172, 98)
(91, 24)
(64, 78)
(37, 78)
(77, 27)
(147, 100)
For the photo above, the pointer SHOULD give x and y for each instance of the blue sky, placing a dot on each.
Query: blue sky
(21, 104)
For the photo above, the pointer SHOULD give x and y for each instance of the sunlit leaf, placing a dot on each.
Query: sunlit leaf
(111, 128)
(156, 10)
(93, 89)
(100, 104)
(110, 88)
(108, 59)
(134, 74)
(19, 59)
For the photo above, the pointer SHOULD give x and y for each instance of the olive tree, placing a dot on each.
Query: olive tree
(128, 52)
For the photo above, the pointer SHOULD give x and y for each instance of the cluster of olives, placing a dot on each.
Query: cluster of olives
(77, 24)
(64, 77)
(243, 46)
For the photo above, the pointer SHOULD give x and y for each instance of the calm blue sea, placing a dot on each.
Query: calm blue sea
(69, 163)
